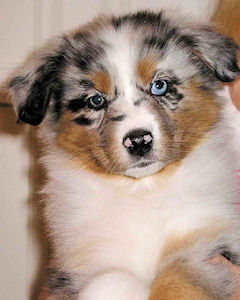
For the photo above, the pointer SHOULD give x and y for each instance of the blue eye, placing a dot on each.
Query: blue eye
(159, 87)
(97, 102)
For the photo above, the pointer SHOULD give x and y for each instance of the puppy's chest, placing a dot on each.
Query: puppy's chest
(130, 230)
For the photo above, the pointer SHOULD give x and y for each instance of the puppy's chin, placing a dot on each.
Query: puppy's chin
(143, 171)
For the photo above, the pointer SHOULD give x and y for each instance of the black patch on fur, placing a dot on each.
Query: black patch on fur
(85, 53)
(18, 81)
(80, 36)
(232, 66)
(140, 18)
(87, 56)
(117, 22)
(36, 104)
(57, 97)
(161, 41)
(146, 17)
(172, 97)
(77, 104)
(187, 41)
(140, 101)
(87, 84)
(83, 61)
(151, 41)
(83, 121)
(60, 282)
(232, 257)
(118, 118)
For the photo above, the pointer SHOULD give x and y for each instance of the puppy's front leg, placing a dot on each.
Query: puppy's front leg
(115, 285)
(176, 282)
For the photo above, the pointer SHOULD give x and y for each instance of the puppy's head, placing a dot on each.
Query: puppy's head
(126, 95)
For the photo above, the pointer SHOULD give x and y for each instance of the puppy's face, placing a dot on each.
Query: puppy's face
(126, 95)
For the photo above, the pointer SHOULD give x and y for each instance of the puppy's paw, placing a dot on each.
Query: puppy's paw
(115, 286)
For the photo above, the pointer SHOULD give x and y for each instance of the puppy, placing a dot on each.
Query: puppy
(140, 156)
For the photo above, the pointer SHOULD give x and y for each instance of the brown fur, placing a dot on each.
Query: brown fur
(177, 282)
(102, 82)
(177, 243)
(82, 144)
(145, 69)
(195, 117)
(79, 142)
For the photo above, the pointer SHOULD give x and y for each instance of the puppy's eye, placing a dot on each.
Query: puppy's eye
(159, 87)
(97, 102)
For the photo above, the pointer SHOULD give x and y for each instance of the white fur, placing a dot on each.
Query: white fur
(115, 285)
(141, 172)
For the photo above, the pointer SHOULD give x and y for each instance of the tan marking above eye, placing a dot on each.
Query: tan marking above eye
(146, 68)
(102, 82)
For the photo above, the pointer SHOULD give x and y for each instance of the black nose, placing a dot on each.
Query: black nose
(138, 142)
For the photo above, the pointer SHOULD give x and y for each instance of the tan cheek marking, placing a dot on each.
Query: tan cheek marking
(81, 143)
(145, 69)
(102, 82)
(198, 113)
(177, 282)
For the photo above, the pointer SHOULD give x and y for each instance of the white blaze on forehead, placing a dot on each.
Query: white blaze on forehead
(121, 59)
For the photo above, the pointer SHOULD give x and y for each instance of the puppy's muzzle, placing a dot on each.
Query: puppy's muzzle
(138, 142)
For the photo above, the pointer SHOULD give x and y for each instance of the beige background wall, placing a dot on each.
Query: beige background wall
(25, 24)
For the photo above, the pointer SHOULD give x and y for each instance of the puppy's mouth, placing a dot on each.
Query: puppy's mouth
(143, 168)
(142, 164)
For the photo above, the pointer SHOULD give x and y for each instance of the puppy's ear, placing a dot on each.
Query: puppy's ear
(31, 88)
(215, 52)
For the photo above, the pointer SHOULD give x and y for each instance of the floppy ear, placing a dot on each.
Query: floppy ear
(215, 52)
(31, 88)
